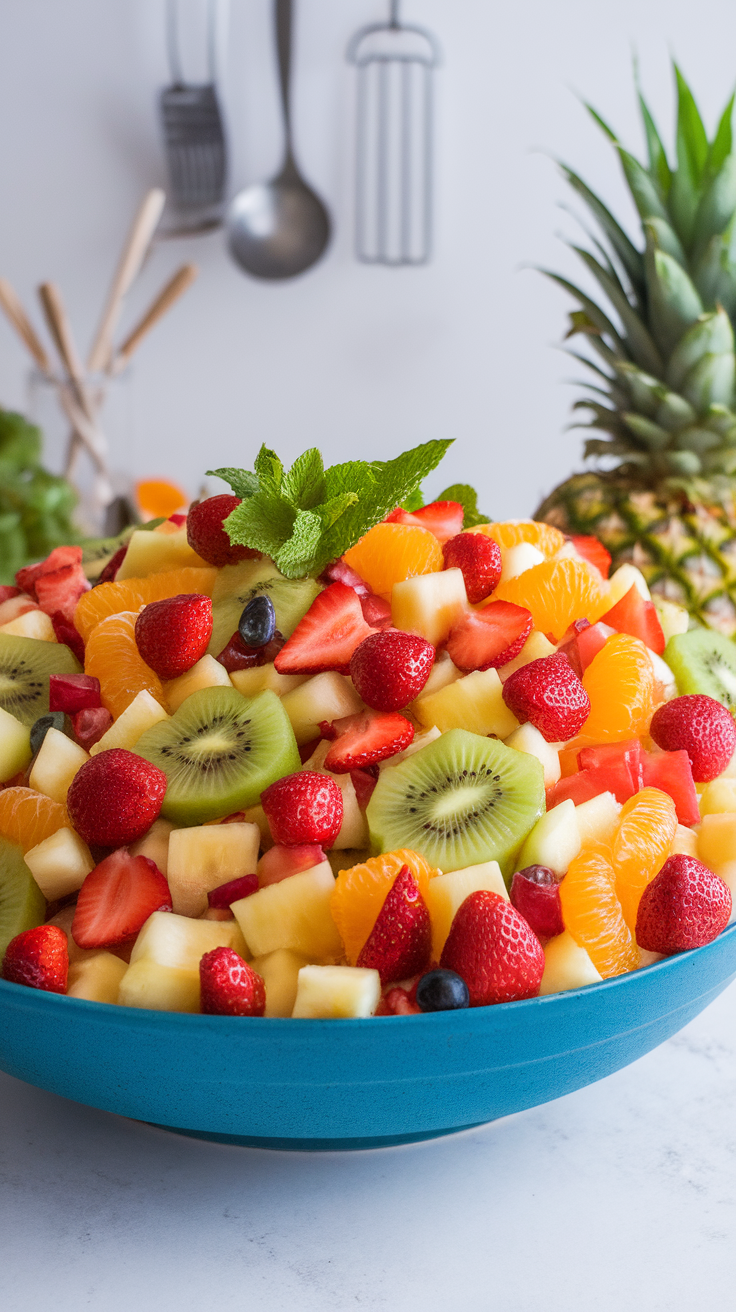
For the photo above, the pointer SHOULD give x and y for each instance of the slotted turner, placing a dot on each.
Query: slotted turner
(193, 132)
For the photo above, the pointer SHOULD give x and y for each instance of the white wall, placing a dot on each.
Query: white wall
(355, 359)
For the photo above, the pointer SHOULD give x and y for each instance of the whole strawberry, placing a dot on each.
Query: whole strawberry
(548, 694)
(173, 634)
(700, 726)
(230, 987)
(39, 958)
(479, 558)
(685, 906)
(389, 669)
(206, 535)
(305, 807)
(115, 797)
(493, 949)
(401, 939)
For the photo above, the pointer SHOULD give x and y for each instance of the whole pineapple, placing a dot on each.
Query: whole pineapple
(663, 390)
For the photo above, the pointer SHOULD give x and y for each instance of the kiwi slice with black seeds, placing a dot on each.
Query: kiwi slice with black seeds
(459, 801)
(704, 661)
(22, 904)
(25, 666)
(236, 585)
(219, 752)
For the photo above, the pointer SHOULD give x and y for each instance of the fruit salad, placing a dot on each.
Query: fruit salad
(320, 749)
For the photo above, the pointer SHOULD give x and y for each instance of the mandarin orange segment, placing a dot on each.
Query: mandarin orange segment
(111, 598)
(390, 553)
(361, 891)
(510, 532)
(557, 592)
(620, 684)
(159, 498)
(28, 817)
(642, 842)
(112, 657)
(592, 912)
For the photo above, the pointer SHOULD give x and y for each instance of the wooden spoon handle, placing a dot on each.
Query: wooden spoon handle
(11, 304)
(133, 254)
(174, 288)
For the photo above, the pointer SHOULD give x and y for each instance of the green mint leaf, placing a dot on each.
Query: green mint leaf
(242, 481)
(269, 468)
(468, 498)
(304, 485)
(414, 501)
(264, 522)
(297, 556)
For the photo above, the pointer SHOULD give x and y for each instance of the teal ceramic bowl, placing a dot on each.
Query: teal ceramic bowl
(307, 1084)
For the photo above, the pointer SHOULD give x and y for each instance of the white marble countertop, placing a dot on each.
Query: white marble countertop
(621, 1195)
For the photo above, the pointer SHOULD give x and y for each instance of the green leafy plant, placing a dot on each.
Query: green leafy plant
(35, 506)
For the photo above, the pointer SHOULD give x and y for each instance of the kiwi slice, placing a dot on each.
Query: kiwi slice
(458, 801)
(219, 752)
(22, 904)
(704, 661)
(25, 666)
(236, 585)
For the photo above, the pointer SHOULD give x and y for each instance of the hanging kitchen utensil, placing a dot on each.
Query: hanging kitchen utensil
(194, 134)
(396, 63)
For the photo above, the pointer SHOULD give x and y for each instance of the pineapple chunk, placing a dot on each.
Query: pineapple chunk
(429, 604)
(255, 815)
(155, 844)
(517, 560)
(160, 988)
(15, 745)
(327, 696)
(718, 796)
(97, 978)
(443, 671)
(727, 872)
(207, 673)
(250, 682)
(203, 857)
(337, 992)
(15, 606)
(623, 579)
(535, 647)
(31, 624)
(56, 764)
(60, 864)
(474, 702)
(674, 619)
(293, 914)
(419, 741)
(354, 827)
(153, 553)
(554, 841)
(598, 818)
(566, 966)
(685, 842)
(446, 894)
(144, 711)
(280, 973)
(178, 942)
(530, 740)
(717, 840)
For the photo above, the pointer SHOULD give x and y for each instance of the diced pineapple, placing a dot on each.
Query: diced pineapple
(15, 606)
(474, 702)
(250, 682)
(674, 619)
(60, 864)
(429, 604)
(517, 560)
(717, 840)
(336, 992)
(328, 696)
(155, 844)
(203, 857)
(207, 673)
(535, 647)
(280, 973)
(178, 942)
(354, 827)
(56, 764)
(621, 582)
(15, 745)
(719, 795)
(443, 671)
(255, 815)
(144, 711)
(97, 978)
(730, 770)
(727, 872)
(685, 842)
(597, 818)
(152, 553)
(160, 988)
(554, 841)
(293, 914)
(446, 894)
(566, 966)
(31, 624)
(530, 740)
(419, 741)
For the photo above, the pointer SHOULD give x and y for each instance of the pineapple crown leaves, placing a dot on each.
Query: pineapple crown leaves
(665, 341)
(307, 516)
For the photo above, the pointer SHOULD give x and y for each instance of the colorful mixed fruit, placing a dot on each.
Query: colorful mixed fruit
(319, 750)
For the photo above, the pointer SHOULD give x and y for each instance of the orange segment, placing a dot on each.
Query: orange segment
(28, 817)
(361, 891)
(113, 657)
(159, 498)
(390, 553)
(641, 845)
(620, 684)
(557, 592)
(592, 912)
(510, 532)
(111, 598)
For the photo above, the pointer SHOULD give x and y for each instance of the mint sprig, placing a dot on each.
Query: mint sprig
(468, 498)
(307, 516)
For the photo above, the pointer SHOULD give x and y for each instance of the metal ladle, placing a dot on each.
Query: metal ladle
(278, 229)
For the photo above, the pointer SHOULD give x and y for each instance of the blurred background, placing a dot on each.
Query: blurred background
(356, 359)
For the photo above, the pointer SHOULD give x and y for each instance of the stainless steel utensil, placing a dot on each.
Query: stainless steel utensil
(394, 148)
(194, 134)
(278, 229)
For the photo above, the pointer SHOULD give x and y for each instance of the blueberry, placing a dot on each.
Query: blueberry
(54, 720)
(442, 990)
(257, 624)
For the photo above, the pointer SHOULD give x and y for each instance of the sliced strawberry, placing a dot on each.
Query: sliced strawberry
(489, 637)
(616, 777)
(66, 632)
(7, 591)
(117, 898)
(401, 939)
(73, 692)
(60, 590)
(221, 897)
(591, 640)
(340, 572)
(673, 774)
(376, 611)
(110, 572)
(328, 634)
(609, 754)
(178, 520)
(59, 558)
(367, 738)
(280, 861)
(632, 614)
(443, 518)
(364, 782)
(593, 550)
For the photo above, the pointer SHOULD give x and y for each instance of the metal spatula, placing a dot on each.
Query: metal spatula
(194, 134)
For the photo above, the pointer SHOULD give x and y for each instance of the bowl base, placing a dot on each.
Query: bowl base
(316, 1145)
